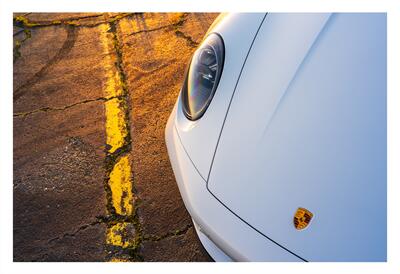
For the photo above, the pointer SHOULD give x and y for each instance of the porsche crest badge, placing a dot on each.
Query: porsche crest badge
(302, 218)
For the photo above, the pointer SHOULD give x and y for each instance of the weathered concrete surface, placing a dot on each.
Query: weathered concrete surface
(58, 182)
(155, 61)
(59, 66)
(61, 202)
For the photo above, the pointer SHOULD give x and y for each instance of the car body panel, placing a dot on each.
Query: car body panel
(200, 137)
(212, 249)
(238, 241)
(307, 128)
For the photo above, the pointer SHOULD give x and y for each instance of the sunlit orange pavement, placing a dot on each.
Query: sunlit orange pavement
(92, 94)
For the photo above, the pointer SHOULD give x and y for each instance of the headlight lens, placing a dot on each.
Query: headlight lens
(203, 76)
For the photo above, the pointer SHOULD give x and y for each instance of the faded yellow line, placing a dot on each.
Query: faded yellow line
(120, 180)
(119, 260)
(118, 235)
(116, 127)
(121, 187)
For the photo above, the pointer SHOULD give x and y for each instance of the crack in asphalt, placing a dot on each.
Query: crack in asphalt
(174, 26)
(149, 30)
(47, 109)
(18, 43)
(129, 253)
(182, 19)
(169, 234)
(188, 38)
(83, 17)
(18, 32)
(73, 234)
(23, 22)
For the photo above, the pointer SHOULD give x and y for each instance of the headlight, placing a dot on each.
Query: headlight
(203, 76)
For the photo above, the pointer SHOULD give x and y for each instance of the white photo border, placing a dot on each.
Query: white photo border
(7, 8)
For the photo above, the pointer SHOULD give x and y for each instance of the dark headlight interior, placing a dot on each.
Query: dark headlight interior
(203, 76)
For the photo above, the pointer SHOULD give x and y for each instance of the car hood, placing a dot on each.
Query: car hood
(306, 128)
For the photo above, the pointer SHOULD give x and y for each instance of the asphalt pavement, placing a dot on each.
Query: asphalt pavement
(92, 95)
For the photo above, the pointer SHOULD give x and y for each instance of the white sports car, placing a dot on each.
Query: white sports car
(278, 138)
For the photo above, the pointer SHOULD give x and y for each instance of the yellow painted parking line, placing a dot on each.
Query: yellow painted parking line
(116, 127)
(114, 86)
(119, 260)
(118, 235)
(121, 187)
(117, 131)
